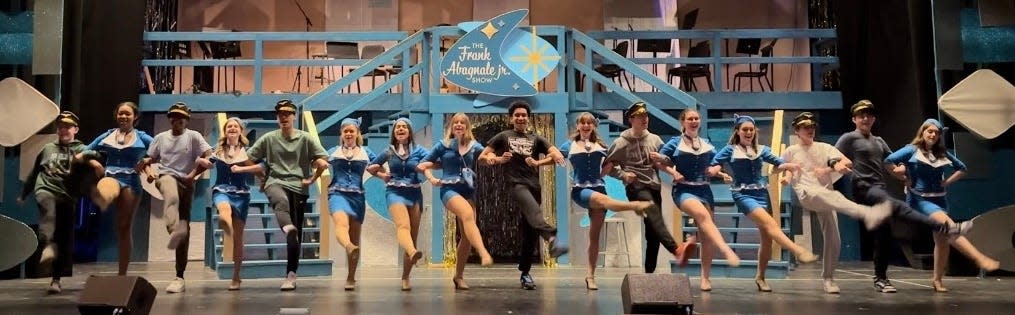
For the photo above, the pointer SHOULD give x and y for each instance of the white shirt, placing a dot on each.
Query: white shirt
(810, 158)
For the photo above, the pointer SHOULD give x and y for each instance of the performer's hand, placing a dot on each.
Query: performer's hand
(143, 164)
(899, 171)
(679, 178)
(726, 178)
(629, 177)
(657, 156)
(785, 179)
(99, 169)
(385, 176)
(821, 172)
(236, 168)
(559, 159)
(150, 177)
(844, 166)
(21, 201)
(307, 181)
(713, 170)
(504, 158)
(435, 181)
(531, 162)
(203, 162)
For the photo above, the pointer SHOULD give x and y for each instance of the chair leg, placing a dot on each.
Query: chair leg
(751, 81)
(708, 79)
(629, 85)
(770, 87)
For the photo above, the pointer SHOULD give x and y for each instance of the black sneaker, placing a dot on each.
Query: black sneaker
(527, 282)
(884, 286)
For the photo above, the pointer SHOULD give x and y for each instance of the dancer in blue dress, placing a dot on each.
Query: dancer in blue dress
(922, 165)
(123, 148)
(346, 200)
(691, 156)
(586, 151)
(231, 191)
(457, 156)
(745, 156)
(405, 199)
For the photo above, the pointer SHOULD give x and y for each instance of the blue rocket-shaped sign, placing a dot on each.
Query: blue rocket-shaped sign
(497, 58)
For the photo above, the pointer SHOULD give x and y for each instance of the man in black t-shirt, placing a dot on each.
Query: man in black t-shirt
(520, 151)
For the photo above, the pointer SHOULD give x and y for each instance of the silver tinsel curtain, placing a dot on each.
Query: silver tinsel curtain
(496, 216)
(160, 16)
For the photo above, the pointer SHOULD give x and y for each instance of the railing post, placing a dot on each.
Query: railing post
(717, 70)
(258, 66)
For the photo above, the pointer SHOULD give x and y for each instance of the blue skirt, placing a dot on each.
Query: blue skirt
(408, 196)
(701, 192)
(583, 195)
(926, 205)
(239, 202)
(351, 203)
(449, 191)
(748, 200)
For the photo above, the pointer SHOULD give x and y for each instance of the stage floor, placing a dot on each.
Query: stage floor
(496, 291)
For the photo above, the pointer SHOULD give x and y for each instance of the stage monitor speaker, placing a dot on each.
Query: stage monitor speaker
(657, 294)
(120, 295)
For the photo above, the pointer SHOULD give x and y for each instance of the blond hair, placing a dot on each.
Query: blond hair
(594, 136)
(220, 147)
(359, 135)
(467, 137)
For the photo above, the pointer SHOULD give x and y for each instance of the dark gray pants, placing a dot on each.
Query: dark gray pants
(656, 232)
(289, 207)
(527, 201)
(872, 194)
(56, 226)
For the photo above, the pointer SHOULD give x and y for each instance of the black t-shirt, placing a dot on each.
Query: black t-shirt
(521, 146)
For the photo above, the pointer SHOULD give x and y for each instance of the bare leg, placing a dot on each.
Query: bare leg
(768, 227)
(126, 204)
(343, 233)
(941, 251)
(764, 255)
(225, 211)
(596, 217)
(464, 250)
(403, 230)
(238, 226)
(407, 260)
(355, 229)
(601, 201)
(464, 211)
(707, 228)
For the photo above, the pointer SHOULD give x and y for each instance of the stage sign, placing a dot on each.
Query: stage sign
(495, 57)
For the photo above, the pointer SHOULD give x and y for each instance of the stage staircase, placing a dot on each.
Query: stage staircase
(264, 250)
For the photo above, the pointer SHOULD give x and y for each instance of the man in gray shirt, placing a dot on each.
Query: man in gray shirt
(869, 175)
(176, 150)
(632, 159)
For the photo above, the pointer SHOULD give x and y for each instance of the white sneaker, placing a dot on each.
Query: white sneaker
(877, 215)
(289, 283)
(176, 286)
(54, 287)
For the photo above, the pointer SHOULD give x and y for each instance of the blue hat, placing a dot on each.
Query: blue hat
(353, 121)
(936, 123)
(740, 119)
(405, 120)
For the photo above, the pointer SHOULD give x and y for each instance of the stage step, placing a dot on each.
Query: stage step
(260, 269)
(218, 232)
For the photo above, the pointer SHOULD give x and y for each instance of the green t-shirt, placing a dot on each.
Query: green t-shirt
(289, 160)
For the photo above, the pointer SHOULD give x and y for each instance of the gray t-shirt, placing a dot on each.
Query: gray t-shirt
(868, 155)
(631, 154)
(177, 155)
(289, 160)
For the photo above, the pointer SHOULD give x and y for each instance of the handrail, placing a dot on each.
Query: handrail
(322, 187)
(387, 56)
(612, 57)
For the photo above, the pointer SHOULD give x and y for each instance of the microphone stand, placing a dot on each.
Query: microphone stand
(299, 69)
